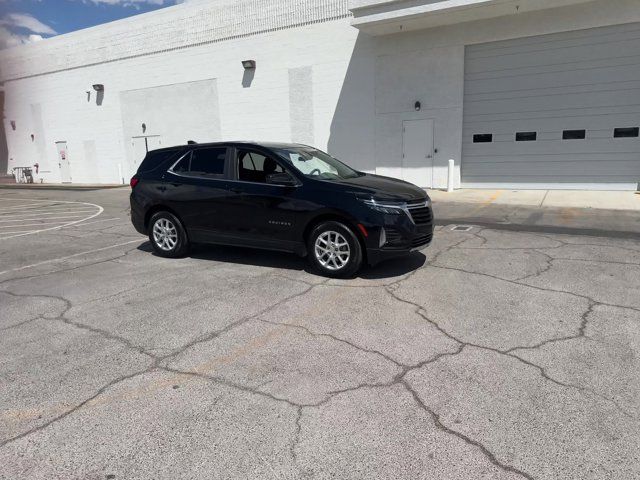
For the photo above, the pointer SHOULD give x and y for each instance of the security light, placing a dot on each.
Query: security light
(249, 64)
(417, 106)
(98, 87)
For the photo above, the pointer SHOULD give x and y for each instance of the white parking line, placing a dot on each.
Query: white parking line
(46, 211)
(68, 206)
(31, 206)
(20, 231)
(96, 221)
(71, 256)
(30, 224)
(35, 219)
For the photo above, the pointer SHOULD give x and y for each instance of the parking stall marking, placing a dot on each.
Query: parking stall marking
(41, 215)
(67, 257)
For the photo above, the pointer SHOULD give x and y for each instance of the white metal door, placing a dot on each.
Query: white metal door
(417, 152)
(140, 146)
(139, 151)
(63, 162)
(554, 111)
(154, 142)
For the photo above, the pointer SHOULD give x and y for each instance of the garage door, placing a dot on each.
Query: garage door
(554, 111)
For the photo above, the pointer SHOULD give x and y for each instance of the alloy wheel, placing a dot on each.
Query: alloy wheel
(165, 234)
(332, 250)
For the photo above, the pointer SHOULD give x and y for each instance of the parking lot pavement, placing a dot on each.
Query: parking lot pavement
(489, 355)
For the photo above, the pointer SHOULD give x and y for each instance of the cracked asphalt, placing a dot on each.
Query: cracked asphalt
(489, 355)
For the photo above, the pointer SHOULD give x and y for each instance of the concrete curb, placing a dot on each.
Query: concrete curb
(46, 186)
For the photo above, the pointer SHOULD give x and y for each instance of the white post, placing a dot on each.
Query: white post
(450, 177)
(120, 173)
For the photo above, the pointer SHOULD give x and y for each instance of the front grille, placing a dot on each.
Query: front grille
(420, 213)
(421, 240)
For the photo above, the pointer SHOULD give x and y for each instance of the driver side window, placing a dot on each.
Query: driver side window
(254, 167)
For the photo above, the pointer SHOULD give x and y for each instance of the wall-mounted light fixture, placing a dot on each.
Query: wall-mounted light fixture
(144, 127)
(249, 64)
(98, 87)
(417, 106)
(13, 124)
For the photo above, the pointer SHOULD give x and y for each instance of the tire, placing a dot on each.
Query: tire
(167, 235)
(328, 252)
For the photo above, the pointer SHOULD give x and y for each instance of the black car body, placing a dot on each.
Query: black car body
(259, 195)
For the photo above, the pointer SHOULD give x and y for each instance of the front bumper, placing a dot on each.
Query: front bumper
(398, 235)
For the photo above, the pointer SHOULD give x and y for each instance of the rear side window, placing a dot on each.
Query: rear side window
(155, 158)
(203, 161)
(183, 165)
(208, 161)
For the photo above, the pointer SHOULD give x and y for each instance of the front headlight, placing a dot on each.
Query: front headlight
(393, 208)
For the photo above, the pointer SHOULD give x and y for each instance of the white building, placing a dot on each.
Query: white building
(519, 93)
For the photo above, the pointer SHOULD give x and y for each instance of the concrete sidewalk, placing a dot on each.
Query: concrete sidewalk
(602, 200)
(603, 214)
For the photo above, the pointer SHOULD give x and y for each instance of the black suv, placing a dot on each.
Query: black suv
(286, 197)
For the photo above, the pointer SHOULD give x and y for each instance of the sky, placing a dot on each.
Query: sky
(24, 21)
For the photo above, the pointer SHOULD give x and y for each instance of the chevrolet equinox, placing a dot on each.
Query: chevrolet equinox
(275, 196)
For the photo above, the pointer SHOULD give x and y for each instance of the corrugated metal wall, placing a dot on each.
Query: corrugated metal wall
(585, 80)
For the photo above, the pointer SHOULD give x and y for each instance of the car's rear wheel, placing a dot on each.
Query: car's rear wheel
(167, 235)
(334, 250)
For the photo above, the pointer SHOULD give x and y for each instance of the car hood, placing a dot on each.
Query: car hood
(384, 188)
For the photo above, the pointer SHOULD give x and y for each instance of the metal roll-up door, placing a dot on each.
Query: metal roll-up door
(554, 111)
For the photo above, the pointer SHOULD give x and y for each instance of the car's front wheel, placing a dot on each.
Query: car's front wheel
(334, 250)
(167, 235)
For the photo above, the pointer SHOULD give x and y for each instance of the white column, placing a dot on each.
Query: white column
(450, 176)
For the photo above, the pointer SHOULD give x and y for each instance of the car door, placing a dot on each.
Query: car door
(263, 214)
(197, 189)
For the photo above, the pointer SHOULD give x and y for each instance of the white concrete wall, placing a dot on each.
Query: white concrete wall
(362, 87)
(259, 109)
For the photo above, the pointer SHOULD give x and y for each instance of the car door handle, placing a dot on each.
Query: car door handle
(236, 190)
(162, 188)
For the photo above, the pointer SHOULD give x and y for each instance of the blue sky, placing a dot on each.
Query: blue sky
(23, 21)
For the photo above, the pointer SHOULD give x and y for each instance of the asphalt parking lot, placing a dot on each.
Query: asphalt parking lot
(489, 355)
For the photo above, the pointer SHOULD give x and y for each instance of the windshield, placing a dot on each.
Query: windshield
(316, 164)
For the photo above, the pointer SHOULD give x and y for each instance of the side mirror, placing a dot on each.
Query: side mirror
(283, 179)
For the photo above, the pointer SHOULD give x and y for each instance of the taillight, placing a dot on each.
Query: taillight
(133, 182)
